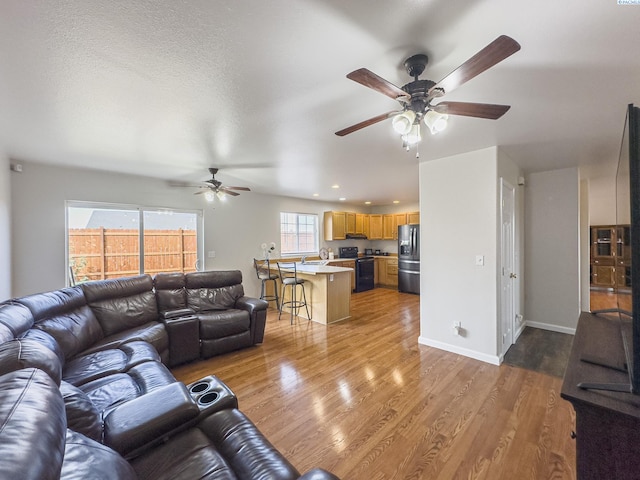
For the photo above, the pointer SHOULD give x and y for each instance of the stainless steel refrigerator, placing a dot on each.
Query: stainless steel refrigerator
(409, 258)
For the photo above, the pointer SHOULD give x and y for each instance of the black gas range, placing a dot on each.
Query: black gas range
(364, 268)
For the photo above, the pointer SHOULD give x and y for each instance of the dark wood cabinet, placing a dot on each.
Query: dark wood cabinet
(607, 431)
(610, 256)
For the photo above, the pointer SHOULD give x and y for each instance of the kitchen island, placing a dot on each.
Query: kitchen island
(328, 291)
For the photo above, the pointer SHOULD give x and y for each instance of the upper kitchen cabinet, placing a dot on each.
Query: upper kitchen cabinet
(359, 222)
(351, 222)
(413, 218)
(366, 224)
(389, 228)
(375, 226)
(335, 226)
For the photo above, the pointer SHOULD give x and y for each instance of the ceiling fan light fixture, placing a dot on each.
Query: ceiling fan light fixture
(413, 137)
(403, 121)
(436, 122)
(221, 195)
(209, 196)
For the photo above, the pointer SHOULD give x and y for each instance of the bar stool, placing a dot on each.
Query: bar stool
(289, 277)
(264, 273)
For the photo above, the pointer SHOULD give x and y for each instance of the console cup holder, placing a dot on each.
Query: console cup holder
(211, 394)
(208, 398)
(199, 387)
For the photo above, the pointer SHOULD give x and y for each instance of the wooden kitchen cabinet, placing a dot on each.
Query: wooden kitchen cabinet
(375, 227)
(351, 222)
(366, 225)
(335, 226)
(413, 218)
(388, 272)
(381, 264)
(359, 223)
(389, 227)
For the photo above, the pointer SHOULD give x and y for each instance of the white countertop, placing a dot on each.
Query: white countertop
(312, 269)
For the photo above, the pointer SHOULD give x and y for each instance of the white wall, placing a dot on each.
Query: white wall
(5, 228)
(602, 200)
(551, 250)
(453, 288)
(234, 230)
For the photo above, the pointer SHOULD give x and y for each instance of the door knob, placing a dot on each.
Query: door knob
(513, 275)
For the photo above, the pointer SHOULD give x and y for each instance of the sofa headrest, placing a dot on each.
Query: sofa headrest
(27, 353)
(169, 281)
(122, 303)
(117, 288)
(51, 304)
(213, 279)
(32, 426)
(15, 319)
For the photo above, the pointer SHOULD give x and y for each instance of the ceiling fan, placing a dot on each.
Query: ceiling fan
(416, 97)
(214, 188)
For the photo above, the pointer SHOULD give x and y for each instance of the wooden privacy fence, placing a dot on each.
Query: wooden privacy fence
(99, 253)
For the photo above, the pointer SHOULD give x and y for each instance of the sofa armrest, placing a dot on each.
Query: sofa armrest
(142, 420)
(180, 312)
(258, 313)
(251, 304)
(318, 474)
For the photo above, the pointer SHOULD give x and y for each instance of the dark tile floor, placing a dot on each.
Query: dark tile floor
(541, 350)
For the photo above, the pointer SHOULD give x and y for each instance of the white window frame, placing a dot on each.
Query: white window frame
(316, 234)
(141, 209)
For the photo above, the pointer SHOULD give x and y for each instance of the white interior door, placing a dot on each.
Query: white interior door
(507, 259)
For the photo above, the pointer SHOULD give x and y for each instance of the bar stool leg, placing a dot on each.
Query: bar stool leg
(275, 292)
(306, 307)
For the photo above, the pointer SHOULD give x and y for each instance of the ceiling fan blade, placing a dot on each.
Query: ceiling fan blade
(200, 192)
(369, 79)
(366, 123)
(501, 48)
(479, 110)
(228, 192)
(244, 189)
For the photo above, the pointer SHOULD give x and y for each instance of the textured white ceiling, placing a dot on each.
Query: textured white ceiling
(169, 88)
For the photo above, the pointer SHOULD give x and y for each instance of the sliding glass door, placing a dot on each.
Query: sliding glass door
(109, 241)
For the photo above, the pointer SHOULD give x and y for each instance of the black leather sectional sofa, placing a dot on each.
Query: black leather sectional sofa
(85, 391)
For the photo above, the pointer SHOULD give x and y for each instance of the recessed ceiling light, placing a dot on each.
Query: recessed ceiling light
(316, 194)
(396, 201)
(367, 203)
(342, 199)
(335, 186)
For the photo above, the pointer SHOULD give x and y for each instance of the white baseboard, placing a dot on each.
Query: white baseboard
(483, 357)
(548, 326)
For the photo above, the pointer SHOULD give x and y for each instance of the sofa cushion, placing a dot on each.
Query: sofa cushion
(27, 353)
(152, 332)
(122, 303)
(219, 324)
(110, 390)
(186, 456)
(86, 368)
(32, 426)
(15, 319)
(86, 459)
(82, 415)
(170, 291)
(65, 315)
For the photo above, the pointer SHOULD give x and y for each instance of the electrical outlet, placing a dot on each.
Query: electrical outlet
(211, 254)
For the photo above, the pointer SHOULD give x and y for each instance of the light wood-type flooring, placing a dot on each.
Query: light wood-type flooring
(363, 399)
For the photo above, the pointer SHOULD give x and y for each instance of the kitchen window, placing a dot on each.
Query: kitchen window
(112, 241)
(298, 233)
